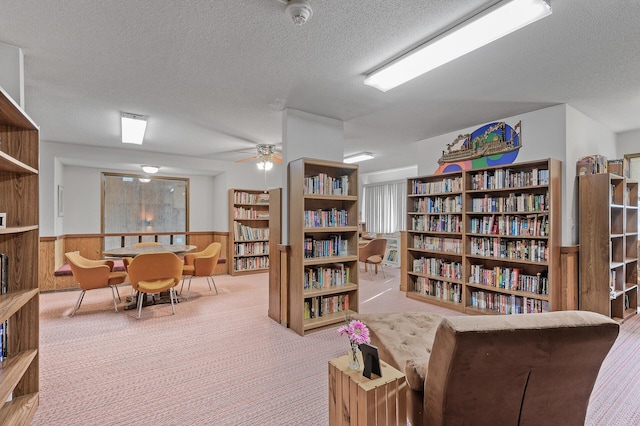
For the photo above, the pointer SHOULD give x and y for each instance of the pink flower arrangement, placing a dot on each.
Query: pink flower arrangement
(356, 331)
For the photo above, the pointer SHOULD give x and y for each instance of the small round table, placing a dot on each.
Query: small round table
(133, 251)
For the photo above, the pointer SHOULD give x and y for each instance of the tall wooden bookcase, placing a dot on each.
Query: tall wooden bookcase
(323, 240)
(486, 241)
(249, 229)
(609, 245)
(19, 160)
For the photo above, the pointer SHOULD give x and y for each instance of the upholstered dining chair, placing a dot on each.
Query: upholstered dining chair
(201, 264)
(372, 253)
(94, 274)
(152, 273)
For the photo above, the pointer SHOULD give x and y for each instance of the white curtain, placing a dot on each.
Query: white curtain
(384, 207)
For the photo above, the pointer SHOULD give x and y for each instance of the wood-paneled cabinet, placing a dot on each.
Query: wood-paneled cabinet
(609, 245)
(323, 240)
(486, 241)
(19, 306)
(249, 231)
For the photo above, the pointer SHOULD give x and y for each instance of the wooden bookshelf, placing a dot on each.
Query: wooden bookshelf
(19, 306)
(609, 245)
(323, 239)
(249, 231)
(486, 241)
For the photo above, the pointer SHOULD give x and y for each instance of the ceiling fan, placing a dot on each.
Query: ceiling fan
(267, 155)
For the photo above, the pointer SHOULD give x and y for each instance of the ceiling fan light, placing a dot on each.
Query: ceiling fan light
(265, 165)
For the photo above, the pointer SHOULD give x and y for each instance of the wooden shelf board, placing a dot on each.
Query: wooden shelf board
(254, 219)
(434, 213)
(327, 320)
(438, 194)
(438, 233)
(437, 252)
(249, 271)
(20, 410)
(309, 261)
(330, 290)
(331, 197)
(629, 312)
(13, 369)
(510, 189)
(478, 311)
(250, 255)
(514, 213)
(11, 302)
(250, 241)
(332, 229)
(527, 237)
(18, 229)
(10, 164)
(504, 259)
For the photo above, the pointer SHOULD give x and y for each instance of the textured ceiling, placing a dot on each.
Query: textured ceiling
(214, 75)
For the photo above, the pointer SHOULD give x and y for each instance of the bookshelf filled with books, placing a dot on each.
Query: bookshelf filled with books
(323, 239)
(486, 241)
(249, 228)
(19, 301)
(609, 245)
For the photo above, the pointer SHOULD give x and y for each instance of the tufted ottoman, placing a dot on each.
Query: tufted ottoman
(404, 340)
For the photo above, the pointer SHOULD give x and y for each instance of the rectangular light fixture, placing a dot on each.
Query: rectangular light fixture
(489, 25)
(356, 158)
(133, 127)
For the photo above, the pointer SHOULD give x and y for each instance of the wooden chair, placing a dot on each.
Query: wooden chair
(373, 253)
(152, 273)
(93, 274)
(201, 264)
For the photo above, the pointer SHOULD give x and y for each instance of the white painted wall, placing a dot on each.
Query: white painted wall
(77, 168)
(12, 72)
(306, 135)
(628, 143)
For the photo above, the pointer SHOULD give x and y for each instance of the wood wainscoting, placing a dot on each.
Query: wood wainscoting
(52, 250)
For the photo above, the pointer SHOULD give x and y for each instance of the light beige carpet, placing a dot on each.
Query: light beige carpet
(221, 361)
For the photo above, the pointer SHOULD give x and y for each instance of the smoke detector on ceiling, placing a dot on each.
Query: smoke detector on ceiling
(299, 10)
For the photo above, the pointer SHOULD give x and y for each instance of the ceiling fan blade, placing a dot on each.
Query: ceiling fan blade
(276, 159)
(244, 160)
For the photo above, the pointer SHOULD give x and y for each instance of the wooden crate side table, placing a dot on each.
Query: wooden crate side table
(356, 400)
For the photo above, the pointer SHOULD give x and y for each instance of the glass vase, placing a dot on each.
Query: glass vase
(354, 363)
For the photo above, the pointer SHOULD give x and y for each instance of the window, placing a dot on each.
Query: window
(134, 205)
(384, 207)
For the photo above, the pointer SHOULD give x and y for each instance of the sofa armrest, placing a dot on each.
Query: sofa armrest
(415, 370)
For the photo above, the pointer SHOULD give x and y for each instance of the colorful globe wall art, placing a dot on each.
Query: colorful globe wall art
(493, 144)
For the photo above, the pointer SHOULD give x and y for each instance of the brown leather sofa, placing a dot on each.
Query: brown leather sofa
(535, 369)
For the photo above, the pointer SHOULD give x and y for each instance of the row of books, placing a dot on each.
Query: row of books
(242, 213)
(440, 223)
(240, 197)
(439, 187)
(593, 164)
(250, 263)
(326, 276)
(324, 184)
(507, 304)
(508, 178)
(246, 233)
(531, 250)
(333, 246)
(509, 278)
(444, 290)
(392, 256)
(438, 267)
(511, 203)
(438, 204)
(529, 225)
(256, 248)
(428, 242)
(315, 307)
(325, 218)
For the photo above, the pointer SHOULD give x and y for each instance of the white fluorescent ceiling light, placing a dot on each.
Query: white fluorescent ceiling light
(356, 158)
(491, 24)
(133, 128)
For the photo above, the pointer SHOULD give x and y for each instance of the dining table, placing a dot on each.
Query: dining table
(133, 251)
